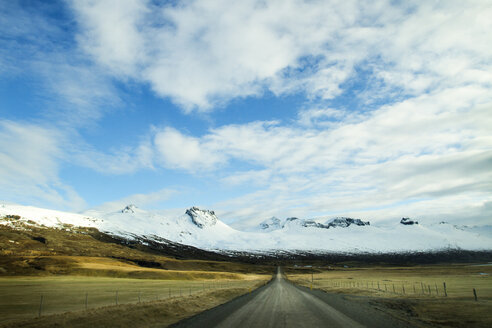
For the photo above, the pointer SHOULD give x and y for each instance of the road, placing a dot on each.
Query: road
(283, 304)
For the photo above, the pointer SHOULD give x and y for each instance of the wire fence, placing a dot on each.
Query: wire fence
(423, 288)
(36, 301)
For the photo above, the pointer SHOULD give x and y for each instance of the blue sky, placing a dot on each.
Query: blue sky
(258, 109)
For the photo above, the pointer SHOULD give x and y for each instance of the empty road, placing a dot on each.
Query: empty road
(282, 304)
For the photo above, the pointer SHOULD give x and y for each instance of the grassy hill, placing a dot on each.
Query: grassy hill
(32, 250)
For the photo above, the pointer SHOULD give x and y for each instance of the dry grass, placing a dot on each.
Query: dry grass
(416, 291)
(22, 253)
(149, 314)
(21, 296)
(62, 266)
(110, 267)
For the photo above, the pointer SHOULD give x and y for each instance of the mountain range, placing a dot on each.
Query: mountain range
(203, 229)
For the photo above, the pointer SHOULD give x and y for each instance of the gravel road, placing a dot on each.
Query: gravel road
(283, 304)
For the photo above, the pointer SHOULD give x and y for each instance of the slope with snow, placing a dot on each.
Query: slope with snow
(202, 229)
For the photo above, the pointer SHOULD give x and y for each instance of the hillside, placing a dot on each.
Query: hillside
(31, 250)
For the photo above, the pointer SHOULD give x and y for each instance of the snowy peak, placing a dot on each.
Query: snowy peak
(129, 209)
(292, 221)
(345, 222)
(302, 223)
(202, 218)
(271, 224)
(312, 223)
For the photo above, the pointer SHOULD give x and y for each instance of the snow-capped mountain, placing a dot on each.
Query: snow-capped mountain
(203, 229)
(270, 224)
(345, 222)
(202, 218)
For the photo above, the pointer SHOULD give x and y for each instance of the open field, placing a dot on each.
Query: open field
(160, 313)
(416, 291)
(79, 277)
(21, 296)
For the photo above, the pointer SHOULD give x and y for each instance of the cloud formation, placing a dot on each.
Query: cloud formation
(29, 166)
(201, 55)
(396, 113)
(427, 147)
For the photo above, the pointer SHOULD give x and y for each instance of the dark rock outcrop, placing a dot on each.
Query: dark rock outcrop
(408, 221)
(202, 218)
(345, 222)
(129, 209)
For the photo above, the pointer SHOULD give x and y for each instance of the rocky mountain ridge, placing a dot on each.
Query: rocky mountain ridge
(343, 222)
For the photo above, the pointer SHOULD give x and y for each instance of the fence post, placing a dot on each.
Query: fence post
(429, 287)
(437, 291)
(414, 291)
(394, 291)
(403, 288)
(445, 291)
(86, 300)
(378, 286)
(422, 285)
(475, 294)
(41, 305)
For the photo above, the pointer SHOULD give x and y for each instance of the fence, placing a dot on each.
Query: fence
(402, 288)
(27, 300)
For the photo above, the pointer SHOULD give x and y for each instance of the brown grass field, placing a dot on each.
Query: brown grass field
(148, 313)
(78, 280)
(415, 292)
(21, 296)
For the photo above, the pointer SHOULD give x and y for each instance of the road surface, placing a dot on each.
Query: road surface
(283, 304)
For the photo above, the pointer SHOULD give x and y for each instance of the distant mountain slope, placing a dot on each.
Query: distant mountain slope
(202, 229)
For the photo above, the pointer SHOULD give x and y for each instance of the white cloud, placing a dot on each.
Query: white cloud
(321, 116)
(435, 146)
(29, 166)
(185, 152)
(140, 200)
(203, 54)
(124, 160)
(69, 89)
(111, 32)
